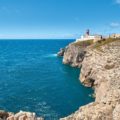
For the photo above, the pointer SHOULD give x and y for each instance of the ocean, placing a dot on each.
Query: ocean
(33, 78)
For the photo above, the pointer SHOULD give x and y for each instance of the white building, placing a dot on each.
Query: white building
(115, 36)
(87, 36)
(83, 37)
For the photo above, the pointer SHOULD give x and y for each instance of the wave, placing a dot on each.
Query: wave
(51, 55)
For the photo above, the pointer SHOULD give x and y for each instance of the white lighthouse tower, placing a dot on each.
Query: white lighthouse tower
(87, 36)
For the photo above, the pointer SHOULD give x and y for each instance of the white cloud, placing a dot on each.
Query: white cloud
(118, 1)
(114, 24)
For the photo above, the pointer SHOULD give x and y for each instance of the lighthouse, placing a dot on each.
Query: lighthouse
(87, 33)
(87, 36)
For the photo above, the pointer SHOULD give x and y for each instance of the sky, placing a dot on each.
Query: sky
(58, 18)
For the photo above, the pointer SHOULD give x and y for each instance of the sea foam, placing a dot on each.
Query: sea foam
(50, 55)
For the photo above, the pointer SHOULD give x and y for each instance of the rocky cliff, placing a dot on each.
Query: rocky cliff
(74, 53)
(101, 70)
(19, 116)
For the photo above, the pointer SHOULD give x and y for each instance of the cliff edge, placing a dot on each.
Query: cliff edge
(100, 69)
(74, 53)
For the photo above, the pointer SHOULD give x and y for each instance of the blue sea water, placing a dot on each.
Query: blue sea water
(33, 78)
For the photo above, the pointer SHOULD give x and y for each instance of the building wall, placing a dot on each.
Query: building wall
(115, 36)
(95, 38)
(86, 38)
(98, 38)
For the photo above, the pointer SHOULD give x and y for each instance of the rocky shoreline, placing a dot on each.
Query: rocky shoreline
(18, 116)
(100, 69)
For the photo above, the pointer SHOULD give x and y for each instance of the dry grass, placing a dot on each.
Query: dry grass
(108, 67)
(96, 45)
(83, 43)
(104, 42)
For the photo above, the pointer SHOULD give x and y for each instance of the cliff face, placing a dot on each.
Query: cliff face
(74, 55)
(61, 52)
(101, 70)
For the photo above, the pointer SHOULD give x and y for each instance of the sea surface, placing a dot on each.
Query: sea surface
(33, 78)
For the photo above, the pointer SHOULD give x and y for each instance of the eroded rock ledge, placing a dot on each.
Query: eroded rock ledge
(19, 116)
(101, 70)
(74, 55)
(75, 52)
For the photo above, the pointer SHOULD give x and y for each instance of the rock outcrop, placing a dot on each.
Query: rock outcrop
(61, 52)
(19, 116)
(74, 55)
(101, 70)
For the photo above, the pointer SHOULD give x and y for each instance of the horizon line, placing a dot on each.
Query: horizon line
(37, 38)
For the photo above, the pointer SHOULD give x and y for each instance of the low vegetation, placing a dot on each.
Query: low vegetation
(83, 43)
(104, 42)
(108, 67)
(95, 45)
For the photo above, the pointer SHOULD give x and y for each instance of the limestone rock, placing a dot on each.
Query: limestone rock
(116, 112)
(3, 114)
(73, 55)
(61, 52)
(92, 111)
(101, 70)
(19, 116)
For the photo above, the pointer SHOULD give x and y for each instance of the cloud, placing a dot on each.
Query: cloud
(114, 24)
(118, 1)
